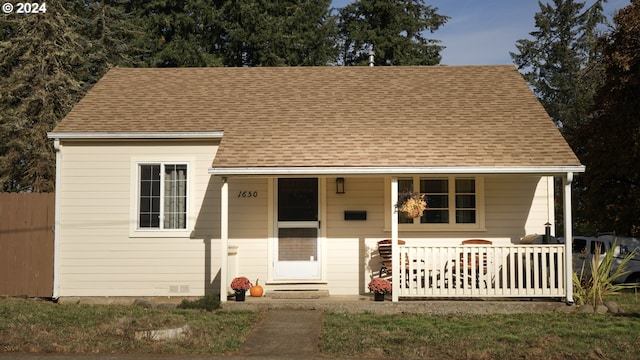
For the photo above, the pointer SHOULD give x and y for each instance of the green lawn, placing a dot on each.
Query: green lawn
(40, 326)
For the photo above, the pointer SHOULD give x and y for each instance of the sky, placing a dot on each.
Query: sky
(484, 32)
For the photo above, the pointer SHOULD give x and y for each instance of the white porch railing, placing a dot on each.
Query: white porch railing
(482, 271)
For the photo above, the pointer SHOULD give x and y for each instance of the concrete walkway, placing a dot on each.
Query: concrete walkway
(285, 333)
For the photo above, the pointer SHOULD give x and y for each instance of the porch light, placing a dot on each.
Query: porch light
(547, 233)
(339, 185)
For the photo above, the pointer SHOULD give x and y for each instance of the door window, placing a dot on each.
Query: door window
(297, 199)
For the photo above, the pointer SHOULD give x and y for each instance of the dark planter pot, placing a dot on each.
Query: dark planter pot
(378, 296)
(240, 296)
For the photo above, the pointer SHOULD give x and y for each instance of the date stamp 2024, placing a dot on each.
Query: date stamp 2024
(24, 8)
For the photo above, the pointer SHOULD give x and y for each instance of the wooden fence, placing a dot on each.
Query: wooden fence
(26, 244)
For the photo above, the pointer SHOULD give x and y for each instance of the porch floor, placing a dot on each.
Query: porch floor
(365, 303)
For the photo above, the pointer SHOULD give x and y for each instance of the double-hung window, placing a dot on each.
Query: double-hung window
(453, 203)
(162, 196)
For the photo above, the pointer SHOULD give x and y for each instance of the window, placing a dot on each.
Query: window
(162, 196)
(465, 193)
(437, 197)
(452, 203)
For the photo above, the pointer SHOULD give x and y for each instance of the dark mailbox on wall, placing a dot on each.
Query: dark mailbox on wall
(355, 215)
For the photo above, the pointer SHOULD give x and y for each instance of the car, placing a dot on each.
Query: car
(584, 248)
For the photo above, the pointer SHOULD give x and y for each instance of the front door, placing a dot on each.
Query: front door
(297, 247)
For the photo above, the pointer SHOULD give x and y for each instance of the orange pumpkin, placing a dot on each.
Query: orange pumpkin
(256, 290)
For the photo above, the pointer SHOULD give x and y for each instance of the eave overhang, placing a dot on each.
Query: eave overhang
(392, 171)
(136, 135)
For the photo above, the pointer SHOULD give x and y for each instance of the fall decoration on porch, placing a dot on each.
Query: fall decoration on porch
(240, 285)
(380, 286)
(256, 290)
(411, 204)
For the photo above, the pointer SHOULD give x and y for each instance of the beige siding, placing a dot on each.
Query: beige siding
(517, 206)
(98, 255)
(348, 244)
(248, 227)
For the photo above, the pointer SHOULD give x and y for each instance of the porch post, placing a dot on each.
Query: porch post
(395, 263)
(568, 236)
(224, 238)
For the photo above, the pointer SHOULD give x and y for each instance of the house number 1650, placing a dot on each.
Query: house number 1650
(247, 194)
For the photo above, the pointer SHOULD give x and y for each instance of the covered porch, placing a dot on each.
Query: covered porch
(428, 268)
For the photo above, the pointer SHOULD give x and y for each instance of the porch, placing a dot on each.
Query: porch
(463, 272)
(466, 279)
(432, 265)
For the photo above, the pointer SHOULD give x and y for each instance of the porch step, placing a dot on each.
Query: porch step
(297, 294)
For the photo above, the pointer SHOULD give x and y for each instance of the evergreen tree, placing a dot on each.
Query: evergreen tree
(40, 55)
(277, 33)
(111, 34)
(611, 141)
(176, 32)
(561, 62)
(562, 65)
(394, 30)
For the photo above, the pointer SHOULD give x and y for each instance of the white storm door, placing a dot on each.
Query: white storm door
(297, 245)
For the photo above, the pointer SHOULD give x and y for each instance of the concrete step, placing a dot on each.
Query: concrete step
(297, 294)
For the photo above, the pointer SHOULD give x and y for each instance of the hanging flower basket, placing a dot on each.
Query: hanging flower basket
(411, 205)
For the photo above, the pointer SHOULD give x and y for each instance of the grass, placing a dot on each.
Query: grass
(44, 327)
(524, 336)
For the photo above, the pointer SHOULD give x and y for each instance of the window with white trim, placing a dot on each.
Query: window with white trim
(452, 202)
(162, 196)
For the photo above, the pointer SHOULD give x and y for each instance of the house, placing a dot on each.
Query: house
(170, 182)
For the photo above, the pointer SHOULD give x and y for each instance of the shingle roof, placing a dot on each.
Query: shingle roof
(334, 116)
